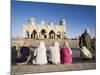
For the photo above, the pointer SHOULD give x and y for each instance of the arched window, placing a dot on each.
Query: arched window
(33, 35)
(43, 33)
(51, 34)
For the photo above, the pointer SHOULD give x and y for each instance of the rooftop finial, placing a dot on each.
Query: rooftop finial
(62, 21)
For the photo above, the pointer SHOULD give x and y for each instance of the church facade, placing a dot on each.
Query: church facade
(33, 30)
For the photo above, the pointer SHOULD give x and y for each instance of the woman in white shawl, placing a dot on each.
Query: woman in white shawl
(55, 53)
(40, 54)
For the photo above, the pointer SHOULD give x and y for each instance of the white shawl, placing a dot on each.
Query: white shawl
(55, 53)
(40, 53)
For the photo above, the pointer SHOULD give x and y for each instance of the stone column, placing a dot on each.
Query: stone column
(30, 35)
(55, 35)
(37, 36)
(61, 35)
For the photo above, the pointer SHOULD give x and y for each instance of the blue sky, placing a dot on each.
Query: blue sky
(78, 17)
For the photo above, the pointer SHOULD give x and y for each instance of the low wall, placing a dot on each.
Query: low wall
(48, 42)
(25, 69)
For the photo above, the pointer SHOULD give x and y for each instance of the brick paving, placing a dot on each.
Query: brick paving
(24, 69)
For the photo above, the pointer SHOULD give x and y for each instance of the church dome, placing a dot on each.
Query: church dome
(31, 20)
(50, 23)
(62, 21)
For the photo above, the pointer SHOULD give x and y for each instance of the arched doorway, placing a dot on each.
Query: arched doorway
(51, 34)
(58, 34)
(33, 35)
(43, 34)
(27, 34)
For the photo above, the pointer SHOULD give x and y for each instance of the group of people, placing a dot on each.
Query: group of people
(57, 55)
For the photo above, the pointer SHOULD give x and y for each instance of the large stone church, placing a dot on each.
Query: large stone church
(50, 30)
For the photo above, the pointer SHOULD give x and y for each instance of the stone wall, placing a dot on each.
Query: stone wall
(48, 42)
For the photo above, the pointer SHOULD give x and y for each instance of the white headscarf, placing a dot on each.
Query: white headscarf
(67, 45)
(87, 30)
(41, 57)
(56, 44)
(42, 44)
(55, 53)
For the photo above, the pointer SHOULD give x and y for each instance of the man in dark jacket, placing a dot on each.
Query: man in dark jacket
(85, 40)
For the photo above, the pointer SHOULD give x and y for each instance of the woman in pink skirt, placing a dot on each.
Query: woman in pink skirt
(66, 53)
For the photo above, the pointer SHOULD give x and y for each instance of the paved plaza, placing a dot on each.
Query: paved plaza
(77, 63)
